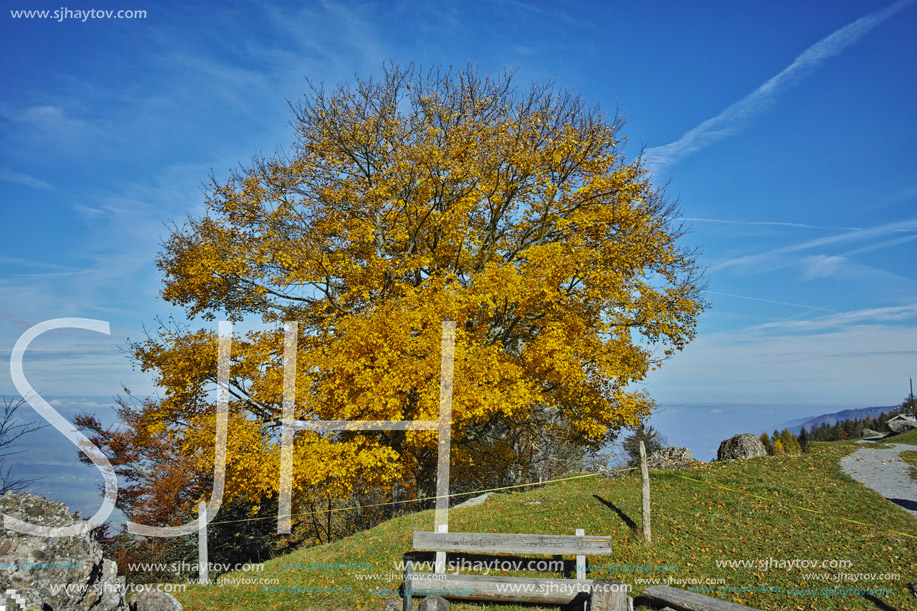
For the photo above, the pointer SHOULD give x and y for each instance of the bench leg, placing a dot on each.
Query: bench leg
(580, 560)
(608, 595)
(408, 570)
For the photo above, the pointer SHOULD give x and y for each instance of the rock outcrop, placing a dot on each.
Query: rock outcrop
(670, 458)
(434, 603)
(901, 424)
(59, 573)
(151, 600)
(741, 447)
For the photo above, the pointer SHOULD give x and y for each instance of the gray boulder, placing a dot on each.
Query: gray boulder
(434, 603)
(670, 458)
(477, 500)
(153, 600)
(872, 433)
(901, 424)
(741, 447)
(61, 573)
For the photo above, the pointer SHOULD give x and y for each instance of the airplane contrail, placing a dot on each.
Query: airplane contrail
(728, 121)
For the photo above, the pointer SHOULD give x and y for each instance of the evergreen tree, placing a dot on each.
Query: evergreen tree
(803, 440)
(858, 429)
(849, 427)
(652, 440)
(768, 444)
(817, 433)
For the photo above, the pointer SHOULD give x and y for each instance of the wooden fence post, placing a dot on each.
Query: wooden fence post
(203, 564)
(647, 531)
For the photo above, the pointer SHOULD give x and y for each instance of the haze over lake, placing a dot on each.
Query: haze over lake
(52, 458)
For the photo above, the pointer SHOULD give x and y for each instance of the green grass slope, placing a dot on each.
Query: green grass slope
(909, 457)
(767, 512)
(910, 438)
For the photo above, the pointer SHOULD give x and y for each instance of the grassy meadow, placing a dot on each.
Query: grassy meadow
(767, 512)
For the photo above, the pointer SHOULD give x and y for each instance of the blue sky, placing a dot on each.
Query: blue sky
(787, 131)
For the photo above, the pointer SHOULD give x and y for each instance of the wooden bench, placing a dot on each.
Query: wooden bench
(509, 589)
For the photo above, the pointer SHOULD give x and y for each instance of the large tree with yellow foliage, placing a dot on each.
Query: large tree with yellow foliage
(405, 201)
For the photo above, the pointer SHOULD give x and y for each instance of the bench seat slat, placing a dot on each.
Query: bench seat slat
(561, 545)
(690, 601)
(503, 589)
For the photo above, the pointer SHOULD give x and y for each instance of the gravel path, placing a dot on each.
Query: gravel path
(886, 473)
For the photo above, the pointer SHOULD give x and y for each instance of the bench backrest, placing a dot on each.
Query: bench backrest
(502, 543)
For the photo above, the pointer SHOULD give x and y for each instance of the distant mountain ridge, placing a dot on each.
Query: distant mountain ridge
(860, 413)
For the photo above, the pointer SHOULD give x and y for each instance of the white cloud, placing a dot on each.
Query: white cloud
(823, 266)
(8, 175)
(46, 118)
(845, 319)
(775, 259)
(880, 245)
(841, 268)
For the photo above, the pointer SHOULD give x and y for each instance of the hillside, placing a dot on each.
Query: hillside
(765, 512)
(830, 419)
